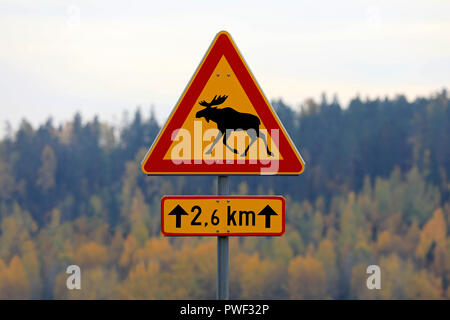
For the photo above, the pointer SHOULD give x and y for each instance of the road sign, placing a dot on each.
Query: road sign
(222, 215)
(223, 124)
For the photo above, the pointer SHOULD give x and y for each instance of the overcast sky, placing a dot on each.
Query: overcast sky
(101, 57)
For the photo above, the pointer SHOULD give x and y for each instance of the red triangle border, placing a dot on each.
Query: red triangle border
(223, 45)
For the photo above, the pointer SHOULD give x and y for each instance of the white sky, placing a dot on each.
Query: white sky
(100, 57)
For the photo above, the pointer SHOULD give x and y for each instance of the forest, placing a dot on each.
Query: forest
(376, 190)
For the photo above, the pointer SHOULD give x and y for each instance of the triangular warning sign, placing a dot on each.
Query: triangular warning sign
(223, 124)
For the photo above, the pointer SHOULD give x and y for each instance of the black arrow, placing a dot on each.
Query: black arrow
(267, 211)
(178, 211)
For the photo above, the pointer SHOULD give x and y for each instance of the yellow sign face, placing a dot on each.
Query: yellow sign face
(222, 81)
(222, 215)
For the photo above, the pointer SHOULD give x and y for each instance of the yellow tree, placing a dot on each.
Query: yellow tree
(306, 279)
(258, 279)
(91, 254)
(17, 284)
(194, 271)
(398, 279)
(412, 239)
(158, 249)
(129, 247)
(424, 286)
(317, 227)
(348, 226)
(327, 256)
(15, 229)
(295, 242)
(3, 280)
(32, 266)
(388, 242)
(281, 251)
(432, 248)
(142, 282)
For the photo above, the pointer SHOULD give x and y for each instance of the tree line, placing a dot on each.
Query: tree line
(375, 191)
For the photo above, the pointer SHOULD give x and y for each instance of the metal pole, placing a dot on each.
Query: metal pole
(222, 249)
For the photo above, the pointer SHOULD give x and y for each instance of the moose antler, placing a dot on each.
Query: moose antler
(214, 102)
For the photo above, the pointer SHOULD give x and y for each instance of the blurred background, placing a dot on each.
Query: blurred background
(361, 87)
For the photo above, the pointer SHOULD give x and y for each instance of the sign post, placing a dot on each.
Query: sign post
(223, 188)
(222, 125)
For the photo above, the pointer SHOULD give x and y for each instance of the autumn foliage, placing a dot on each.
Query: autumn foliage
(85, 202)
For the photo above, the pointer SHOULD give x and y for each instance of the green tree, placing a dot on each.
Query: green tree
(46, 173)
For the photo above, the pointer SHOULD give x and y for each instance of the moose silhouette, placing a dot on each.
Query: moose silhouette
(228, 120)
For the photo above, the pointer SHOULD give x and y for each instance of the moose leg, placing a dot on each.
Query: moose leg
(263, 137)
(225, 137)
(253, 136)
(217, 139)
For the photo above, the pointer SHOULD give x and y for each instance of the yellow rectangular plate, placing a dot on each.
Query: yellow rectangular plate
(222, 215)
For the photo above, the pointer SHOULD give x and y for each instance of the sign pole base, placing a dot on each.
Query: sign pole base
(222, 249)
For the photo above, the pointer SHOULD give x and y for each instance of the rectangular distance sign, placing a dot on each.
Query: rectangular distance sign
(222, 215)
